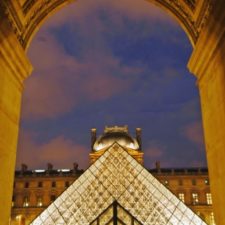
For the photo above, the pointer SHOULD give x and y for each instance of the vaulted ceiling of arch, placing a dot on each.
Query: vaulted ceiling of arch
(25, 16)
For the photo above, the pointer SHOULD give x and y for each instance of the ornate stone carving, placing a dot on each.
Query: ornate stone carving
(191, 4)
(27, 6)
(204, 15)
(35, 11)
(12, 16)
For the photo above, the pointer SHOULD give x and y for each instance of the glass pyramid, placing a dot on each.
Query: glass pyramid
(116, 176)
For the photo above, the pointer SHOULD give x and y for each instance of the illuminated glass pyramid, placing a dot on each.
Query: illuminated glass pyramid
(116, 189)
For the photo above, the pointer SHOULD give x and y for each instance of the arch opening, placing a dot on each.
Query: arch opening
(103, 59)
(24, 35)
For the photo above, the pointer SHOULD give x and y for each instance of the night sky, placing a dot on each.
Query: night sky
(99, 63)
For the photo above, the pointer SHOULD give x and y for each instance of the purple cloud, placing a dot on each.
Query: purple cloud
(194, 133)
(60, 81)
(62, 152)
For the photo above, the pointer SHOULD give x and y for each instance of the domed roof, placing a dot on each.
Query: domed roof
(115, 134)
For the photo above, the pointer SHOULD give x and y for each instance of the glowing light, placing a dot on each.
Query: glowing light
(63, 170)
(100, 146)
(131, 145)
(39, 171)
(18, 217)
(40, 204)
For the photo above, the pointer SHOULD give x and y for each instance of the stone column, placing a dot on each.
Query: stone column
(208, 64)
(14, 68)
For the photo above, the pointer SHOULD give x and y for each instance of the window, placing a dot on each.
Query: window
(209, 198)
(26, 185)
(40, 184)
(195, 198)
(181, 197)
(193, 182)
(39, 201)
(67, 184)
(212, 219)
(180, 182)
(53, 184)
(53, 197)
(25, 201)
(21, 220)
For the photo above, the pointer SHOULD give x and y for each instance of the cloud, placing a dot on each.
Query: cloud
(197, 163)
(45, 94)
(65, 76)
(154, 150)
(132, 9)
(61, 82)
(194, 133)
(113, 16)
(60, 151)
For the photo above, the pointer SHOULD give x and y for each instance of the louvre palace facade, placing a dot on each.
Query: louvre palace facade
(115, 189)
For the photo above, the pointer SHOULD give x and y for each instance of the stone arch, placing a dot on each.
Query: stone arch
(186, 13)
(202, 20)
(27, 16)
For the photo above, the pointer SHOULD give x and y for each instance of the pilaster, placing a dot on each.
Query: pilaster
(14, 68)
(208, 64)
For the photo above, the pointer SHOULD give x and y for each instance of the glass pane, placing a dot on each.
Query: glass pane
(123, 215)
(116, 176)
(106, 216)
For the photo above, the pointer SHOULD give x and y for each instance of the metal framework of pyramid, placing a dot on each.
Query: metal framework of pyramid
(115, 214)
(117, 177)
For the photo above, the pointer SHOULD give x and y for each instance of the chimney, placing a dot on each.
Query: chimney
(49, 166)
(157, 166)
(93, 137)
(75, 167)
(23, 168)
(138, 137)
